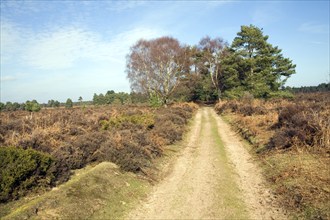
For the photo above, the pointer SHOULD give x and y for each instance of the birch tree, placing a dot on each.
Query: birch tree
(213, 50)
(154, 67)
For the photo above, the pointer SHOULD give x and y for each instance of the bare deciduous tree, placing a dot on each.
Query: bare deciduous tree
(154, 67)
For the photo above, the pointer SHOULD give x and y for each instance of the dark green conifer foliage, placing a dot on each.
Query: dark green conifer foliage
(255, 65)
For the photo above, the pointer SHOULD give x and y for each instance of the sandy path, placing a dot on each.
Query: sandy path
(209, 180)
(258, 199)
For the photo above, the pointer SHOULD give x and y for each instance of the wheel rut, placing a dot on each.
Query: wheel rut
(208, 180)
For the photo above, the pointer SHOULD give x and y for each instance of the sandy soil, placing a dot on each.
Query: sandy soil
(258, 199)
(204, 179)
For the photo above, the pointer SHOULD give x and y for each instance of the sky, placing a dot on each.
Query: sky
(67, 49)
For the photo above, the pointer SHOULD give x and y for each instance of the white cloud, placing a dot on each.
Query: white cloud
(11, 41)
(123, 41)
(314, 28)
(8, 78)
(55, 50)
(61, 48)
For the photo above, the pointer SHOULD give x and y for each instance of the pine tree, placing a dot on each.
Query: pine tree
(69, 103)
(255, 65)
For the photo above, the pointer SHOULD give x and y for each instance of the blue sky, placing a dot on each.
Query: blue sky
(66, 49)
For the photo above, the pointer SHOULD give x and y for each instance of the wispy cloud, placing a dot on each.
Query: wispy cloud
(7, 78)
(314, 28)
(23, 7)
(216, 3)
(267, 14)
(120, 6)
(61, 48)
(56, 49)
(11, 40)
(316, 42)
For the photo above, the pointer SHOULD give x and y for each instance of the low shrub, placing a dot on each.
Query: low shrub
(300, 126)
(130, 136)
(292, 137)
(245, 108)
(22, 170)
(120, 121)
(169, 131)
(67, 159)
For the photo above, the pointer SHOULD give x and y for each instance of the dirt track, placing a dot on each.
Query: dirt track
(214, 177)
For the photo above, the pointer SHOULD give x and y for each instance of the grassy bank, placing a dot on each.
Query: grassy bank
(93, 192)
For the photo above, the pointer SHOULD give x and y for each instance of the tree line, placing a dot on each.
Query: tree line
(323, 87)
(110, 97)
(165, 70)
(34, 105)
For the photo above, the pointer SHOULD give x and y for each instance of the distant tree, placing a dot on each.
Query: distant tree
(9, 106)
(22, 106)
(102, 99)
(95, 99)
(111, 92)
(154, 67)
(51, 103)
(256, 65)
(32, 106)
(138, 97)
(2, 106)
(211, 54)
(123, 97)
(80, 99)
(323, 87)
(109, 97)
(16, 106)
(57, 104)
(68, 103)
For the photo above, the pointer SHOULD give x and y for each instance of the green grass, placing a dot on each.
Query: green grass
(229, 191)
(97, 192)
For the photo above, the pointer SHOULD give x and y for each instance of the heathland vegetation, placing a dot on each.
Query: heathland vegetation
(46, 146)
(292, 140)
(41, 144)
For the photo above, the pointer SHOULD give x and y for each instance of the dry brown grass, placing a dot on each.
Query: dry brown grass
(292, 138)
(130, 136)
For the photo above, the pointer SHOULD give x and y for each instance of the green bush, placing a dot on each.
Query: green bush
(144, 120)
(281, 94)
(32, 106)
(22, 170)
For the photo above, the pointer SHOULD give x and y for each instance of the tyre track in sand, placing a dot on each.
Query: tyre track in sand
(213, 178)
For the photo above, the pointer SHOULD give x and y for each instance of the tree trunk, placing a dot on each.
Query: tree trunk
(219, 94)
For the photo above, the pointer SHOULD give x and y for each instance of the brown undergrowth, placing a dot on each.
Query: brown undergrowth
(292, 139)
(129, 136)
